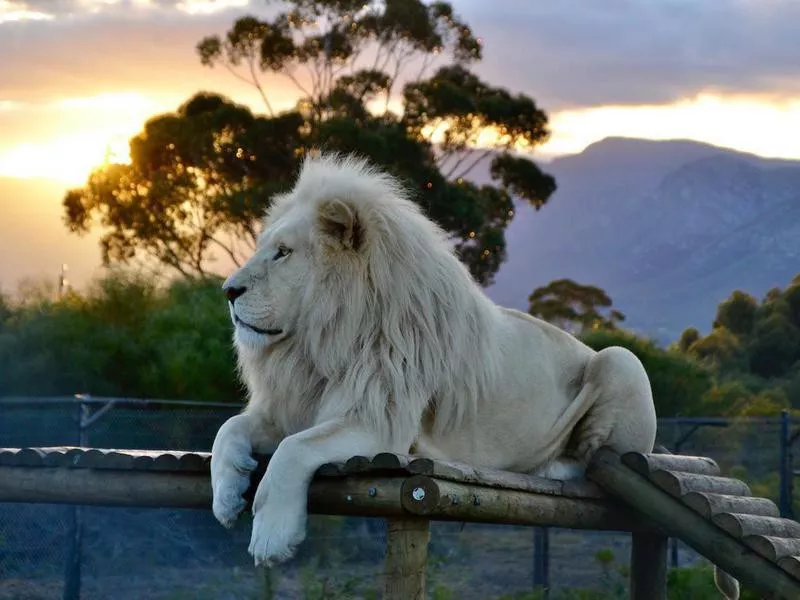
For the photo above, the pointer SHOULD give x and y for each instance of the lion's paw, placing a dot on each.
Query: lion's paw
(230, 478)
(279, 526)
(562, 469)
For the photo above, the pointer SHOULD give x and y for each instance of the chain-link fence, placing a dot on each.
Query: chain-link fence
(55, 551)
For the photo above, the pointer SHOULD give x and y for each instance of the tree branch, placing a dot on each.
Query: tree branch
(475, 163)
(257, 84)
(227, 250)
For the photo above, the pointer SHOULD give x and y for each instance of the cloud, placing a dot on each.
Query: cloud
(62, 8)
(567, 54)
(92, 46)
(579, 53)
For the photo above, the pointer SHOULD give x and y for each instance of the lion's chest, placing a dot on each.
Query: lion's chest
(287, 391)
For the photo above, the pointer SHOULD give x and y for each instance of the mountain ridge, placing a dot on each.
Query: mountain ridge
(668, 228)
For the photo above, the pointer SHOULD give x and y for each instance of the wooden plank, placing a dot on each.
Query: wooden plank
(709, 505)
(494, 478)
(791, 564)
(680, 484)
(678, 520)
(773, 548)
(406, 559)
(383, 463)
(356, 465)
(648, 463)
(367, 496)
(438, 499)
(648, 578)
(740, 526)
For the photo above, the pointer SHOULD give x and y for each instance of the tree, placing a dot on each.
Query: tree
(737, 314)
(775, 346)
(566, 303)
(688, 338)
(792, 297)
(720, 348)
(196, 184)
(201, 175)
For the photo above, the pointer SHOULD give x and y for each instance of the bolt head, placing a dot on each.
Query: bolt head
(418, 494)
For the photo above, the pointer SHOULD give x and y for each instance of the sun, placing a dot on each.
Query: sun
(68, 159)
(94, 131)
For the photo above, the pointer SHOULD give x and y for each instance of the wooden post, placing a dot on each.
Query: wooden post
(648, 567)
(406, 559)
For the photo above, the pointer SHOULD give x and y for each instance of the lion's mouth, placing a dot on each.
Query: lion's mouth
(255, 329)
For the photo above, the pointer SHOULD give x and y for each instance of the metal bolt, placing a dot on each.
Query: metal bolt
(349, 498)
(476, 501)
(453, 499)
(418, 494)
(373, 492)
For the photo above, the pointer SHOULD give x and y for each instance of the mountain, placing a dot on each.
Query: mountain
(668, 228)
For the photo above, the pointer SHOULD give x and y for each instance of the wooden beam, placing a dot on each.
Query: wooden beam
(648, 580)
(365, 495)
(681, 521)
(406, 559)
(450, 501)
(649, 463)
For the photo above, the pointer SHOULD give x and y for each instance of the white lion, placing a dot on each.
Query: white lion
(358, 331)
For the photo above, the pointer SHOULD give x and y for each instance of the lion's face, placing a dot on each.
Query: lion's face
(264, 294)
(309, 236)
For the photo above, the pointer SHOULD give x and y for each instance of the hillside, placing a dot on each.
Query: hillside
(668, 228)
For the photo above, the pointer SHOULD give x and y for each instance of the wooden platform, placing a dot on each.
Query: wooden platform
(386, 486)
(653, 496)
(715, 515)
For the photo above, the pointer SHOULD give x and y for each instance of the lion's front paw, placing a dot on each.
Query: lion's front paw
(279, 525)
(230, 478)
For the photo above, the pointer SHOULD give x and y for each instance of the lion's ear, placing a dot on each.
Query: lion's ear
(339, 222)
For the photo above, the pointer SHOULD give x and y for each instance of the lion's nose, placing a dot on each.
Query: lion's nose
(233, 292)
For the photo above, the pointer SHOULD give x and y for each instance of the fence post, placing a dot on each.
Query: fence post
(406, 559)
(648, 567)
(72, 575)
(786, 470)
(541, 561)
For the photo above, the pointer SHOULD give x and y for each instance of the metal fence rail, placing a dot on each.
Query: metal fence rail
(72, 552)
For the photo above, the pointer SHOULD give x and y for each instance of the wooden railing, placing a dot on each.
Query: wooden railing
(650, 496)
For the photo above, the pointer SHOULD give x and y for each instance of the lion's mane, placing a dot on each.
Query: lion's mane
(391, 333)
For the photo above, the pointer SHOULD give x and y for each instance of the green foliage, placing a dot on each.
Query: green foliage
(737, 314)
(688, 338)
(721, 348)
(775, 346)
(566, 303)
(753, 351)
(201, 176)
(124, 337)
(679, 382)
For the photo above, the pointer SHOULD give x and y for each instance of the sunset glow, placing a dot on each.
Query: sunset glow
(95, 129)
(759, 126)
(764, 127)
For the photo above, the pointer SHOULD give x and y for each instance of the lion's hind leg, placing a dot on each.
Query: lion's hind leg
(622, 414)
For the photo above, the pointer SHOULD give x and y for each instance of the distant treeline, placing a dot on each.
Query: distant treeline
(128, 336)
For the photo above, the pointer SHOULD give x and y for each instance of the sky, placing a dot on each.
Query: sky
(78, 78)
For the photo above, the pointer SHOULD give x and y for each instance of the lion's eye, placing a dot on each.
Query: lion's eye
(282, 252)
